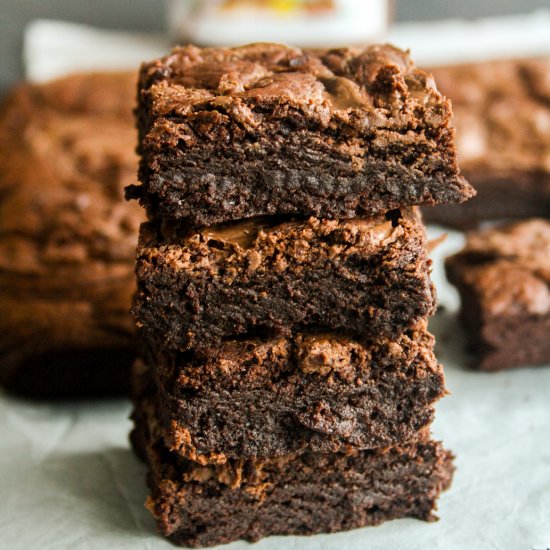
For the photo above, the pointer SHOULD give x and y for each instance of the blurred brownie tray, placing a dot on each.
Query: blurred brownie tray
(502, 117)
(251, 398)
(311, 493)
(266, 129)
(503, 277)
(65, 343)
(67, 237)
(267, 277)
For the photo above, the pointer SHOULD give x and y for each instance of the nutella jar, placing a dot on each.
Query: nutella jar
(305, 23)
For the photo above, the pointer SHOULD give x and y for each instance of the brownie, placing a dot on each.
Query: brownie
(267, 277)
(503, 277)
(67, 237)
(267, 129)
(502, 116)
(311, 392)
(304, 494)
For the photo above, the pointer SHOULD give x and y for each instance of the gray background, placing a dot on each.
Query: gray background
(149, 15)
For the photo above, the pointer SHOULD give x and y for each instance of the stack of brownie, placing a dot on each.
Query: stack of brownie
(287, 378)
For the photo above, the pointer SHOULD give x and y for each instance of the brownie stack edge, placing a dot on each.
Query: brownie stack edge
(287, 379)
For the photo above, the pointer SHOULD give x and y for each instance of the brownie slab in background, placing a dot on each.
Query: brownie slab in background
(67, 237)
(264, 277)
(502, 117)
(266, 129)
(312, 493)
(503, 277)
(316, 392)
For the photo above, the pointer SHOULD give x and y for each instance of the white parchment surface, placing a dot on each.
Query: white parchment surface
(69, 480)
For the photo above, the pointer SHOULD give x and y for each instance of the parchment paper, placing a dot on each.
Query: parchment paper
(69, 480)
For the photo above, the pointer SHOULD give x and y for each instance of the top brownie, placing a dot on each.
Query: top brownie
(268, 129)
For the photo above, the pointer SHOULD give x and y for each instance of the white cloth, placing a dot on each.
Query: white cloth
(68, 478)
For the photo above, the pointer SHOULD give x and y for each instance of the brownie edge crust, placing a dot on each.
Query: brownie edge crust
(201, 506)
(267, 129)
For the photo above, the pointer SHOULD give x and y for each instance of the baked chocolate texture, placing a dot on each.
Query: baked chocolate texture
(361, 276)
(197, 505)
(502, 117)
(503, 277)
(67, 237)
(311, 392)
(266, 129)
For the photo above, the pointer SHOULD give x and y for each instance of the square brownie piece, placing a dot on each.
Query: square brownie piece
(67, 237)
(269, 277)
(304, 494)
(267, 129)
(311, 392)
(503, 277)
(502, 118)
